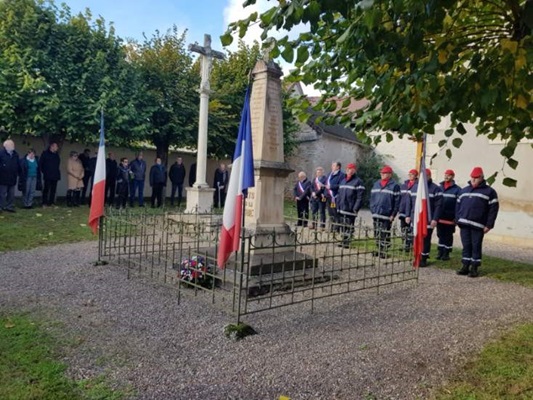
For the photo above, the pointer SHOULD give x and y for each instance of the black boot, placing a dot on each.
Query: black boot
(440, 251)
(473, 271)
(69, 198)
(465, 269)
(423, 262)
(445, 254)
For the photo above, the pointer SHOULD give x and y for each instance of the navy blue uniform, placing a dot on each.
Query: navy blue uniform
(349, 202)
(435, 209)
(384, 205)
(446, 222)
(407, 228)
(477, 209)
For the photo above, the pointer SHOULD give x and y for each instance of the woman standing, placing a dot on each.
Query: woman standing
(30, 178)
(75, 179)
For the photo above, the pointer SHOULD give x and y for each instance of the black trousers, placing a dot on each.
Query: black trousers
(49, 192)
(427, 244)
(179, 188)
(110, 191)
(348, 228)
(407, 234)
(318, 210)
(157, 194)
(302, 207)
(219, 197)
(445, 234)
(86, 179)
(333, 215)
(472, 240)
(382, 233)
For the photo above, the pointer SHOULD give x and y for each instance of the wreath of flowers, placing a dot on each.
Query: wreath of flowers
(195, 270)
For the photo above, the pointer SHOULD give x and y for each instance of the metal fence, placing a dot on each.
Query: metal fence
(274, 268)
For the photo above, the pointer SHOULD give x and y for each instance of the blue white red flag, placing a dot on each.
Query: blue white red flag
(98, 193)
(241, 178)
(422, 211)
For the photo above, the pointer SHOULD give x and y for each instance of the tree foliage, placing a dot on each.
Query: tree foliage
(415, 61)
(59, 70)
(170, 96)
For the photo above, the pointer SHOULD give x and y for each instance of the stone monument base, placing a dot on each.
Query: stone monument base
(199, 200)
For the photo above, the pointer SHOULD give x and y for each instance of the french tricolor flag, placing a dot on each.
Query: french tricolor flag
(98, 193)
(422, 211)
(241, 178)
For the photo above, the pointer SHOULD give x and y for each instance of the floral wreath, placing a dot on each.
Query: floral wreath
(195, 270)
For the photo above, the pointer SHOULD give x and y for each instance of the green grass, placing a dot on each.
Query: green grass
(29, 368)
(503, 370)
(26, 229)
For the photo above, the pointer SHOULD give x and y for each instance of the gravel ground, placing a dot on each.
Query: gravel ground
(395, 345)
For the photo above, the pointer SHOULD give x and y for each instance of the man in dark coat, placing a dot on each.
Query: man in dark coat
(111, 167)
(177, 177)
(158, 180)
(318, 199)
(9, 172)
(476, 212)
(407, 229)
(138, 167)
(221, 185)
(349, 202)
(446, 222)
(332, 187)
(302, 192)
(384, 205)
(49, 165)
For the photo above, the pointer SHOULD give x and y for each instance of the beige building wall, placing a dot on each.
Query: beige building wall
(23, 143)
(400, 154)
(515, 219)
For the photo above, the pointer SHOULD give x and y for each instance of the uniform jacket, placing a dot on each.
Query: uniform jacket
(434, 201)
(75, 173)
(138, 167)
(334, 181)
(449, 202)
(158, 175)
(350, 195)
(302, 190)
(9, 167)
(318, 188)
(477, 207)
(177, 174)
(49, 165)
(405, 193)
(24, 175)
(385, 201)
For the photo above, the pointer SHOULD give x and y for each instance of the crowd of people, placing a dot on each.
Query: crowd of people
(473, 209)
(125, 180)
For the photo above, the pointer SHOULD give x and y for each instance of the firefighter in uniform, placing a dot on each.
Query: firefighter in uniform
(446, 222)
(405, 190)
(349, 202)
(476, 212)
(384, 205)
(435, 205)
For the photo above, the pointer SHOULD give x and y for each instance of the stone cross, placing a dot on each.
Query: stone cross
(207, 55)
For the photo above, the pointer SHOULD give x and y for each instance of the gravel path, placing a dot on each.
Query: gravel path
(395, 345)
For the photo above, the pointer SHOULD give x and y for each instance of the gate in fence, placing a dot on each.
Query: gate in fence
(179, 250)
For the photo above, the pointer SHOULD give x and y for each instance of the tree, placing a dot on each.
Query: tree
(230, 78)
(59, 71)
(415, 61)
(171, 96)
